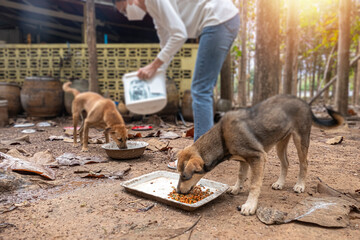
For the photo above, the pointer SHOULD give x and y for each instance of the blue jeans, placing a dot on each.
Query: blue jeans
(214, 45)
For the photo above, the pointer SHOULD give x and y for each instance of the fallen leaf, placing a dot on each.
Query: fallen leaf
(270, 216)
(17, 141)
(93, 175)
(190, 133)
(44, 158)
(157, 145)
(70, 159)
(102, 174)
(96, 141)
(335, 140)
(169, 135)
(15, 153)
(136, 135)
(56, 138)
(155, 120)
(68, 132)
(21, 165)
(70, 140)
(351, 112)
(326, 212)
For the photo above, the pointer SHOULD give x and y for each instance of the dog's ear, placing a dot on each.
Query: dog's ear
(194, 165)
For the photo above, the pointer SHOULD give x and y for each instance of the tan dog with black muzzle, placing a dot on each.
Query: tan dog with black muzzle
(246, 135)
(99, 112)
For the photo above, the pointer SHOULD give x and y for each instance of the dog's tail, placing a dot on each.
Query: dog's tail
(336, 120)
(66, 87)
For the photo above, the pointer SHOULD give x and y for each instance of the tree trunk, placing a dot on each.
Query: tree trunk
(306, 80)
(242, 75)
(356, 90)
(291, 54)
(299, 83)
(226, 86)
(266, 79)
(353, 63)
(249, 90)
(319, 72)
(91, 42)
(295, 77)
(343, 67)
(328, 73)
(313, 76)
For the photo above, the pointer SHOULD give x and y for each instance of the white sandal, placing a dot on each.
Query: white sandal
(173, 167)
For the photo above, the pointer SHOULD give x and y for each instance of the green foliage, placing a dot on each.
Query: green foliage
(236, 51)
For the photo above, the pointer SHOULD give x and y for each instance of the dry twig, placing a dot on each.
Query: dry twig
(186, 230)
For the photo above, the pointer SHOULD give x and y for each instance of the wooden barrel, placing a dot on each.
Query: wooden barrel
(82, 85)
(186, 106)
(4, 117)
(172, 95)
(11, 92)
(42, 97)
(223, 105)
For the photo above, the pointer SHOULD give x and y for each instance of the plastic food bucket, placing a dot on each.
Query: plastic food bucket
(145, 96)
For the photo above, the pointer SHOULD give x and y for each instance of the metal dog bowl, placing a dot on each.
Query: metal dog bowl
(134, 150)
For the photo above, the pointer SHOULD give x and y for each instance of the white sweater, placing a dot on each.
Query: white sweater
(178, 20)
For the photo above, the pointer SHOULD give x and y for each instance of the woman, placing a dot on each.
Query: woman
(216, 24)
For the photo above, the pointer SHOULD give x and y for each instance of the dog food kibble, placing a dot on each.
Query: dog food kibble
(195, 195)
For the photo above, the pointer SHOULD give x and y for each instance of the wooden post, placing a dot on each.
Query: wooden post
(91, 42)
(267, 55)
(343, 65)
(357, 80)
(226, 83)
(291, 47)
(242, 68)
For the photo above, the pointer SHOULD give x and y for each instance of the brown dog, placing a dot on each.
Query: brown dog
(100, 112)
(247, 135)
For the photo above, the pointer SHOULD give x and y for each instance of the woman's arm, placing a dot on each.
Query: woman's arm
(171, 31)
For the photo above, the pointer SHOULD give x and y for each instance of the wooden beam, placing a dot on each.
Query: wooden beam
(99, 2)
(44, 11)
(129, 26)
(91, 43)
(9, 19)
(64, 35)
(57, 33)
(41, 23)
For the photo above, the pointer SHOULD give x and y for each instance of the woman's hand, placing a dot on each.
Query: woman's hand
(149, 71)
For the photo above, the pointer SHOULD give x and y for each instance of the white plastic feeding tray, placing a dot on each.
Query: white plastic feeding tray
(157, 185)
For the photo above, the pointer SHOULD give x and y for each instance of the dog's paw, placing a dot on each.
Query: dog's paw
(248, 208)
(277, 185)
(234, 190)
(84, 149)
(299, 188)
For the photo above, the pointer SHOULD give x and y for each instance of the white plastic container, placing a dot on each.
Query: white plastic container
(145, 96)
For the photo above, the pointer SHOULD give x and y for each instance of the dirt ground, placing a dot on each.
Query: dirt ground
(72, 207)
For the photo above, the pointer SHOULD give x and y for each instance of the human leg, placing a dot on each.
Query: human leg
(214, 45)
